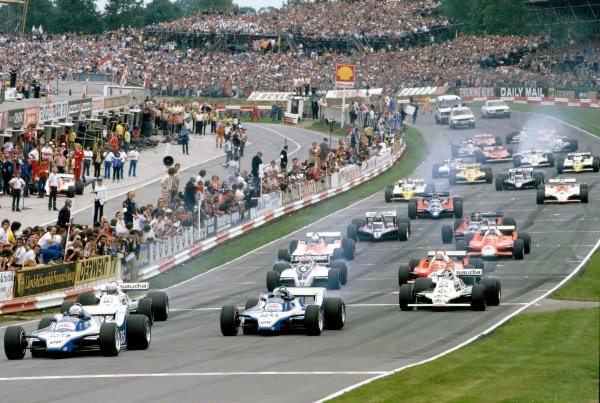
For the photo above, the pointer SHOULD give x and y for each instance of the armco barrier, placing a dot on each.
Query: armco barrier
(88, 276)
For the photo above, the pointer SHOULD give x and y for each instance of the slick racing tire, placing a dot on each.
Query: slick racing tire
(423, 284)
(71, 192)
(87, 299)
(335, 313)
(498, 141)
(540, 195)
(539, 178)
(343, 268)
(139, 332)
(402, 232)
(349, 248)
(272, 280)
(573, 145)
(458, 207)
(15, 343)
(461, 245)
(550, 159)
(280, 267)
(509, 221)
(412, 210)
(401, 219)
(583, 193)
(404, 274)
(230, 322)
(388, 194)
(160, 305)
(493, 291)
(478, 301)
(518, 249)
(145, 307)
(109, 339)
(283, 254)
(447, 234)
(313, 320)
(435, 171)
(480, 157)
(359, 222)
(66, 305)
(293, 245)
(334, 279)
(79, 187)
(489, 177)
(560, 165)
(250, 303)
(414, 262)
(516, 161)
(477, 263)
(596, 164)
(338, 254)
(526, 242)
(457, 223)
(405, 297)
(351, 232)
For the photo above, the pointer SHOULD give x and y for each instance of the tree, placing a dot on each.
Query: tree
(214, 5)
(124, 13)
(41, 12)
(291, 3)
(77, 16)
(247, 10)
(161, 10)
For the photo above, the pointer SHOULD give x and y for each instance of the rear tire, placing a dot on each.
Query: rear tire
(15, 343)
(230, 322)
(160, 304)
(404, 274)
(146, 308)
(333, 279)
(573, 145)
(518, 249)
(539, 178)
(79, 187)
(405, 297)
(458, 207)
(583, 193)
(338, 254)
(273, 280)
(280, 267)
(414, 262)
(66, 305)
(550, 159)
(335, 313)
(349, 248)
(388, 194)
(493, 291)
(526, 242)
(283, 254)
(351, 232)
(596, 164)
(423, 284)
(412, 210)
(45, 322)
(71, 192)
(139, 332)
(478, 302)
(343, 268)
(447, 234)
(516, 161)
(500, 178)
(489, 177)
(87, 299)
(402, 231)
(461, 245)
(540, 195)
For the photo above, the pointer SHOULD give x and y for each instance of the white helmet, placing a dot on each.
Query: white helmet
(76, 311)
(315, 237)
(113, 288)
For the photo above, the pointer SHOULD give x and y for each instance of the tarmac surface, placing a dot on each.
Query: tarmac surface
(189, 360)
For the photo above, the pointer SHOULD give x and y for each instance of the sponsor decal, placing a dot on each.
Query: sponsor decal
(344, 76)
(269, 96)
(31, 115)
(535, 92)
(475, 92)
(7, 279)
(16, 117)
(44, 279)
(95, 268)
(58, 110)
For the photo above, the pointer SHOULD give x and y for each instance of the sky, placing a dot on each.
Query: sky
(257, 4)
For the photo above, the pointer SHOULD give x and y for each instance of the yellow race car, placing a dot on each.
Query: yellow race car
(470, 173)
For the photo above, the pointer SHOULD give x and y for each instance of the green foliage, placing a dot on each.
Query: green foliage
(161, 10)
(584, 287)
(189, 7)
(40, 12)
(77, 16)
(124, 13)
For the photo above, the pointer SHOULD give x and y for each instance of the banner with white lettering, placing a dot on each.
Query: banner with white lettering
(517, 92)
(7, 280)
(270, 96)
(476, 92)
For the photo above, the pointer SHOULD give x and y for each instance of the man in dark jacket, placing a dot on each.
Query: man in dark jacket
(64, 214)
(189, 196)
(283, 158)
(256, 161)
(130, 208)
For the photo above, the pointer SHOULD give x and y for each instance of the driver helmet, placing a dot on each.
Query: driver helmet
(305, 259)
(519, 172)
(315, 238)
(447, 273)
(439, 257)
(435, 195)
(409, 180)
(378, 218)
(283, 293)
(112, 288)
(76, 311)
(476, 217)
(533, 150)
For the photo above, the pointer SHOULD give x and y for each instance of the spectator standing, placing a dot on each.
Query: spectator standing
(324, 149)
(77, 162)
(16, 184)
(53, 180)
(34, 157)
(255, 113)
(133, 156)
(256, 162)
(44, 170)
(88, 156)
(228, 151)
(99, 195)
(130, 209)
(233, 170)
(283, 157)
(185, 139)
(108, 159)
(117, 165)
(97, 158)
(168, 186)
(243, 139)
(214, 118)
(189, 196)
(313, 153)
(64, 214)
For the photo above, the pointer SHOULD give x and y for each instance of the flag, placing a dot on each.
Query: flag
(125, 76)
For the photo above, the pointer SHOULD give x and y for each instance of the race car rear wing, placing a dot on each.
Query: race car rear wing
(565, 180)
(449, 161)
(483, 136)
(101, 310)
(390, 213)
(585, 154)
(324, 234)
(401, 181)
(524, 169)
(315, 258)
(492, 214)
(505, 229)
(453, 253)
(492, 148)
(440, 194)
(317, 294)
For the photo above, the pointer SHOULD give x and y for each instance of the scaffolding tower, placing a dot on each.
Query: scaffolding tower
(13, 14)
(561, 12)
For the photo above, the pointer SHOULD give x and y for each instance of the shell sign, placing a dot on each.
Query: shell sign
(344, 76)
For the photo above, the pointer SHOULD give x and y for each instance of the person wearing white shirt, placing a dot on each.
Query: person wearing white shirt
(17, 184)
(50, 245)
(120, 227)
(31, 256)
(87, 160)
(47, 152)
(20, 252)
(99, 196)
(134, 156)
(108, 158)
(4, 232)
(53, 181)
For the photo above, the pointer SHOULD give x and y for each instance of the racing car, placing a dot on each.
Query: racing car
(470, 173)
(461, 116)
(442, 169)
(153, 304)
(519, 178)
(308, 273)
(497, 241)
(559, 144)
(91, 329)
(465, 228)
(436, 260)
(495, 108)
(406, 188)
(68, 186)
(451, 288)
(533, 158)
(285, 309)
(435, 205)
(323, 247)
(493, 154)
(465, 149)
(381, 225)
(525, 135)
(578, 162)
(562, 190)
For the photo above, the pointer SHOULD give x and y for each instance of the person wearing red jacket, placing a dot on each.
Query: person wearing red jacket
(77, 162)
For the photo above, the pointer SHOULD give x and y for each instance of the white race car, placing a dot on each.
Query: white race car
(533, 158)
(406, 188)
(308, 273)
(495, 108)
(578, 162)
(323, 247)
(154, 305)
(461, 116)
(562, 190)
(442, 169)
(451, 288)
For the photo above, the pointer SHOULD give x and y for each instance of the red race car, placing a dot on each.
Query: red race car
(496, 241)
(465, 228)
(493, 154)
(435, 261)
(435, 205)
(483, 140)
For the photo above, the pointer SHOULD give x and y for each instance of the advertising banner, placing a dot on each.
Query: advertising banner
(3, 119)
(266, 204)
(15, 117)
(44, 279)
(516, 92)
(579, 93)
(97, 104)
(171, 246)
(57, 110)
(476, 92)
(344, 76)
(269, 96)
(96, 268)
(7, 280)
(31, 116)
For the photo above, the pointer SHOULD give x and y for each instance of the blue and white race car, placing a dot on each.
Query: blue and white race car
(80, 330)
(286, 309)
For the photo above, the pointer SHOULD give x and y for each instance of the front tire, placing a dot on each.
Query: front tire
(109, 339)
(447, 234)
(388, 194)
(478, 302)
(518, 249)
(458, 207)
(333, 279)
(343, 268)
(493, 291)
(405, 297)
(230, 322)
(273, 280)
(15, 343)
(404, 274)
(412, 210)
(313, 320)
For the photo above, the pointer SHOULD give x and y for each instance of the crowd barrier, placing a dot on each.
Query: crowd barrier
(45, 286)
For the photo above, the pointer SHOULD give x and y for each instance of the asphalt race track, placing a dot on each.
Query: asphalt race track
(189, 359)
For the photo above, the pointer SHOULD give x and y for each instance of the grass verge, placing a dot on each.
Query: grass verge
(541, 357)
(586, 286)
(415, 153)
(321, 126)
(29, 315)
